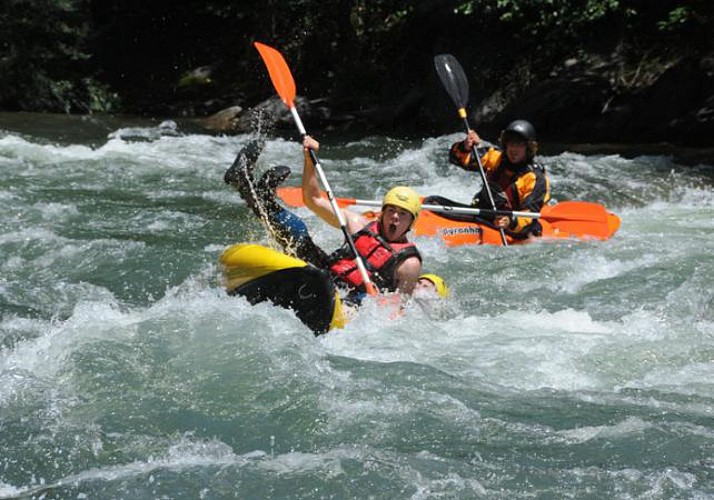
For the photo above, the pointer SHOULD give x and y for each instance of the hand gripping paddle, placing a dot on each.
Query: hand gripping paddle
(285, 87)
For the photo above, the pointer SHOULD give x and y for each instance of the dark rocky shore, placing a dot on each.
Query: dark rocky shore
(581, 102)
(626, 72)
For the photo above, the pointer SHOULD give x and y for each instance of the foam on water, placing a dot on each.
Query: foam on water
(125, 370)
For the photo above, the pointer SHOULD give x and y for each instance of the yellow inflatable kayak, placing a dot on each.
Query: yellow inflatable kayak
(261, 274)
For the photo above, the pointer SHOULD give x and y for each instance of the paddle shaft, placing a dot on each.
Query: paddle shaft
(330, 196)
(284, 83)
(369, 286)
(446, 208)
(454, 79)
(484, 180)
(573, 211)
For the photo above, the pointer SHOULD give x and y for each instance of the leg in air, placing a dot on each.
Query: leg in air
(289, 230)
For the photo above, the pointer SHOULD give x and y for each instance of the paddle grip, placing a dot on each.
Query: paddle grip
(474, 152)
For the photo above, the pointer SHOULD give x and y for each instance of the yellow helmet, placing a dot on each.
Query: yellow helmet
(406, 198)
(441, 288)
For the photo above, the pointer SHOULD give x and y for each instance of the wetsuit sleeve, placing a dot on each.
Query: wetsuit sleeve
(462, 157)
(491, 159)
(528, 194)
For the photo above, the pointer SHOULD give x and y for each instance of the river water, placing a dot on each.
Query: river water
(564, 369)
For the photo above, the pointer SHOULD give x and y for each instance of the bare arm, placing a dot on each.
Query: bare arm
(407, 275)
(311, 193)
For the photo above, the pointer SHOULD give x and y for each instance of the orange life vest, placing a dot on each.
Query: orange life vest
(380, 258)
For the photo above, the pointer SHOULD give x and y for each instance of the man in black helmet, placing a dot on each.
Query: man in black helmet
(516, 181)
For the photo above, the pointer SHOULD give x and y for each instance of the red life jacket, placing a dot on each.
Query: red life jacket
(380, 258)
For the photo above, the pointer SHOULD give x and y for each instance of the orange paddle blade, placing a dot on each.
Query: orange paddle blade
(581, 218)
(291, 196)
(279, 73)
(576, 211)
(371, 288)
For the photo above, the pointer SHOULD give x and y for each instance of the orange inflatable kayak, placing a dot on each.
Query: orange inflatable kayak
(568, 219)
(455, 233)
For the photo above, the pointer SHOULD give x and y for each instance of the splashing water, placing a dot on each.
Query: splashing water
(557, 370)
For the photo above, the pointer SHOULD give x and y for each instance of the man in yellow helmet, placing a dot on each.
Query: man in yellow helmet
(393, 263)
(433, 283)
(430, 295)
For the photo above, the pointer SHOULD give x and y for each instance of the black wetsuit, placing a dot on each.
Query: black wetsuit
(288, 229)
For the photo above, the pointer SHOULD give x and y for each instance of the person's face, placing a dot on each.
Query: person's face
(516, 151)
(426, 286)
(395, 222)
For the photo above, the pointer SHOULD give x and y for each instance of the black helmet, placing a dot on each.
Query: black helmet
(523, 130)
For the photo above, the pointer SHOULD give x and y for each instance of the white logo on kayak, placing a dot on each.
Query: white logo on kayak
(459, 230)
(304, 296)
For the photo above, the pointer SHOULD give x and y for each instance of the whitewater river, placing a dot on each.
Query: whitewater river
(562, 369)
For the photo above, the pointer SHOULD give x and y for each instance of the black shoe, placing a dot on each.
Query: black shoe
(265, 187)
(253, 149)
(272, 178)
(242, 169)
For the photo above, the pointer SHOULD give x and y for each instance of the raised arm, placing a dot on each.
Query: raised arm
(312, 194)
(461, 152)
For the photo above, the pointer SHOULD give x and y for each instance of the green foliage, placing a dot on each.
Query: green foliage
(93, 55)
(539, 33)
(676, 19)
(545, 18)
(101, 98)
(46, 55)
(578, 20)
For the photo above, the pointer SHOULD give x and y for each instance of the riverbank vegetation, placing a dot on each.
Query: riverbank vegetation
(581, 69)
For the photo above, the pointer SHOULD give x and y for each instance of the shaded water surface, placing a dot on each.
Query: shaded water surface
(557, 370)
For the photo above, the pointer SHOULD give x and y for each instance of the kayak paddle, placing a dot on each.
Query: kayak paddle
(581, 217)
(284, 84)
(453, 78)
